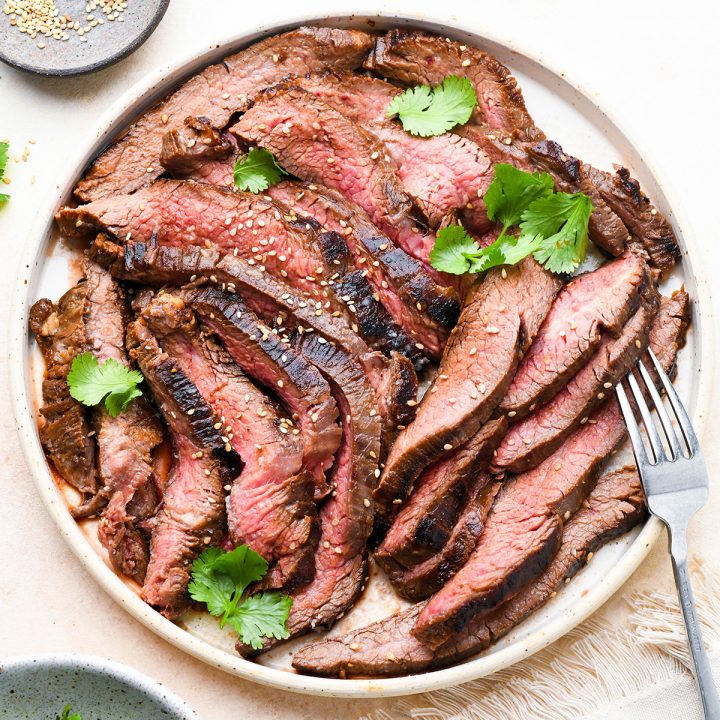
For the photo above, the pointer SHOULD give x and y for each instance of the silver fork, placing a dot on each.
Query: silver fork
(676, 487)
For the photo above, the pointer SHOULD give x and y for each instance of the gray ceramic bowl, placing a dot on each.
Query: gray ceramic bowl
(37, 688)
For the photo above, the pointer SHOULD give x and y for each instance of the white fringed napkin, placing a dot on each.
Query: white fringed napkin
(636, 672)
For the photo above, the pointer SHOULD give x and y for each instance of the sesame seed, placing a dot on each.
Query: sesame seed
(447, 446)
(465, 63)
(411, 403)
(366, 502)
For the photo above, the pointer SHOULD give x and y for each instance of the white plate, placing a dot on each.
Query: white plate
(569, 116)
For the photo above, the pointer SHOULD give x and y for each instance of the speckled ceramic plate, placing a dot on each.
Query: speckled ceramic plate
(38, 688)
(566, 112)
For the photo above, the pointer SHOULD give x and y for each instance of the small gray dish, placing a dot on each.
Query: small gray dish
(104, 45)
(38, 688)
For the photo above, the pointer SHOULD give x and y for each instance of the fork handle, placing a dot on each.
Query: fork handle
(703, 673)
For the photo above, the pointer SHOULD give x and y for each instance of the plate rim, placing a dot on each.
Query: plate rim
(107, 127)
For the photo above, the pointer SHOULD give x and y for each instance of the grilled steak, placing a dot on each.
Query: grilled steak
(65, 434)
(388, 648)
(523, 528)
(426, 578)
(538, 435)
(573, 329)
(125, 442)
(193, 509)
(216, 93)
(445, 175)
(319, 145)
(346, 517)
(500, 318)
(270, 506)
(423, 525)
(266, 359)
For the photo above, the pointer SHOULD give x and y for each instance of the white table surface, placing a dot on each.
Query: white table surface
(655, 64)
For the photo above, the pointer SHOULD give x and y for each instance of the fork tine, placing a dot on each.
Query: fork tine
(652, 432)
(671, 436)
(677, 406)
(633, 430)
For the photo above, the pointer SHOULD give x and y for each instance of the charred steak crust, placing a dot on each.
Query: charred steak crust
(500, 317)
(217, 93)
(264, 357)
(193, 510)
(65, 433)
(388, 648)
(270, 506)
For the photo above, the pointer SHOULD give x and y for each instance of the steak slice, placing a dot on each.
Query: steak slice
(426, 520)
(124, 443)
(445, 175)
(346, 516)
(522, 531)
(319, 145)
(217, 93)
(193, 510)
(590, 304)
(388, 647)
(266, 359)
(179, 214)
(270, 506)
(538, 435)
(500, 318)
(65, 433)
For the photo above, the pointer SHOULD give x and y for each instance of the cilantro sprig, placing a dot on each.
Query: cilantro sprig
(90, 383)
(553, 227)
(220, 579)
(4, 148)
(427, 111)
(257, 171)
(67, 716)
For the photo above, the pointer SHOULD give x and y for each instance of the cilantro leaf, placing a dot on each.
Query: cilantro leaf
(263, 615)
(429, 111)
(562, 220)
(90, 382)
(454, 250)
(4, 147)
(511, 192)
(257, 171)
(66, 714)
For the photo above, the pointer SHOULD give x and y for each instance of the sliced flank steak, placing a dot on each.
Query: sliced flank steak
(65, 432)
(319, 145)
(279, 368)
(388, 648)
(426, 520)
(445, 175)
(593, 303)
(217, 93)
(128, 491)
(192, 515)
(500, 318)
(539, 434)
(522, 531)
(270, 506)
(346, 516)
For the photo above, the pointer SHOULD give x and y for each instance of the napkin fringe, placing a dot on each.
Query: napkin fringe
(595, 665)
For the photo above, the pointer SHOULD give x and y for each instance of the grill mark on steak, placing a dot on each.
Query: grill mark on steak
(426, 578)
(65, 433)
(270, 506)
(193, 510)
(591, 303)
(500, 318)
(388, 648)
(262, 356)
(124, 443)
(217, 93)
(445, 175)
(522, 530)
(426, 520)
(346, 516)
(319, 145)
(538, 435)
